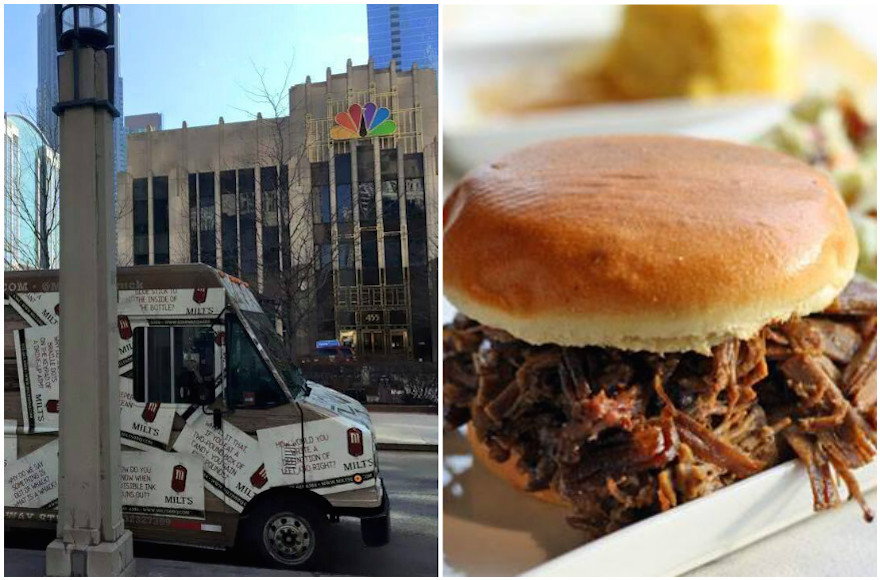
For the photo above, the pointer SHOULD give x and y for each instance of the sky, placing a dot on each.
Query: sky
(193, 62)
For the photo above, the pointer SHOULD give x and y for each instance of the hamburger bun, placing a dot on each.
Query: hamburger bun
(653, 243)
(509, 472)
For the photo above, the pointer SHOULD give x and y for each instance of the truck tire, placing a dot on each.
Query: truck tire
(287, 533)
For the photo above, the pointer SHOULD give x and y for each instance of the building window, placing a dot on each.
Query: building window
(141, 221)
(366, 186)
(326, 307)
(174, 365)
(269, 221)
(207, 229)
(413, 165)
(419, 270)
(393, 261)
(390, 202)
(229, 222)
(346, 264)
(344, 205)
(414, 183)
(324, 254)
(193, 219)
(416, 218)
(160, 220)
(370, 257)
(248, 224)
(321, 192)
(284, 216)
(390, 206)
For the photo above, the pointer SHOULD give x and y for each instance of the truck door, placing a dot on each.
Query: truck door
(174, 376)
(258, 403)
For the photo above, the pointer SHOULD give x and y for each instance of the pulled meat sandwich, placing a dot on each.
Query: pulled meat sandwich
(643, 320)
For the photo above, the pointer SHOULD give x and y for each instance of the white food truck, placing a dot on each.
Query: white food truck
(224, 443)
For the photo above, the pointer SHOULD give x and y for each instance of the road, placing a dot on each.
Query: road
(411, 479)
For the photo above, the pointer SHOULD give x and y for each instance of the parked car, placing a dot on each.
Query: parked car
(331, 354)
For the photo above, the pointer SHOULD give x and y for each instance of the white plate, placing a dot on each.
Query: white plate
(471, 137)
(490, 529)
(485, 45)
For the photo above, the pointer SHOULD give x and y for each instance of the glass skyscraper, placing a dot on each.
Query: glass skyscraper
(406, 33)
(31, 172)
(47, 74)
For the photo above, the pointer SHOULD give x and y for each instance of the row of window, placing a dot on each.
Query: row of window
(140, 212)
(351, 275)
(239, 225)
(238, 220)
(365, 200)
(372, 296)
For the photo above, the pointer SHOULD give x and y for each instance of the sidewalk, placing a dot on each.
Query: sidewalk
(406, 431)
(19, 562)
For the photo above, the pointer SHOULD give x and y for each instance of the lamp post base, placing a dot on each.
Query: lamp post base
(106, 559)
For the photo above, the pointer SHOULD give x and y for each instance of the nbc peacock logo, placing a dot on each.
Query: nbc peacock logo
(363, 121)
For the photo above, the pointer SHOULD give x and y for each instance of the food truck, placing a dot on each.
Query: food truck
(224, 442)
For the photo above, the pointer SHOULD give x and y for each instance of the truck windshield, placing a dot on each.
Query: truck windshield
(274, 348)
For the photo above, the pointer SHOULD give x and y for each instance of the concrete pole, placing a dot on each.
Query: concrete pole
(92, 540)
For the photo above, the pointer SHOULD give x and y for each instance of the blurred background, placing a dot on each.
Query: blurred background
(801, 79)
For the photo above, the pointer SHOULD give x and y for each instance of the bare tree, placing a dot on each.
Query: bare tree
(290, 280)
(124, 211)
(33, 198)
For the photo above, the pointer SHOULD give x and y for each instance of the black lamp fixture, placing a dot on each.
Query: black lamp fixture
(87, 26)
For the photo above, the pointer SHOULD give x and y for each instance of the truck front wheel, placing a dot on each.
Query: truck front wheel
(287, 533)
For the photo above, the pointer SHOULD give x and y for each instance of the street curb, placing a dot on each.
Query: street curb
(418, 409)
(407, 446)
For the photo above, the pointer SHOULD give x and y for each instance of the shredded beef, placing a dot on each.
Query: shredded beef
(623, 435)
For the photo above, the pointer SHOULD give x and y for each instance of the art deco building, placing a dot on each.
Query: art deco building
(335, 204)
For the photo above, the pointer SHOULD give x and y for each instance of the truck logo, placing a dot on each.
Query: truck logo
(178, 478)
(150, 411)
(358, 478)
(124, 327)
(355, 442)
(52, 405)
(219, 338)
(200, 295)
(259, 478)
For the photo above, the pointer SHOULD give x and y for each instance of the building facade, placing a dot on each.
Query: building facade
(140, 123)
(31, 196)
(404, 33)
(333, 208)
(47, 84)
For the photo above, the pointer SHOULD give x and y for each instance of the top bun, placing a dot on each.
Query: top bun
(644, 242)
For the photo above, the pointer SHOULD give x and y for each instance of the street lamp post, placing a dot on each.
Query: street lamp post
(92, 539)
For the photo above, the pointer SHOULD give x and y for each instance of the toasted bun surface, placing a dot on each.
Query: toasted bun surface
(509, 472)
(644, 242)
